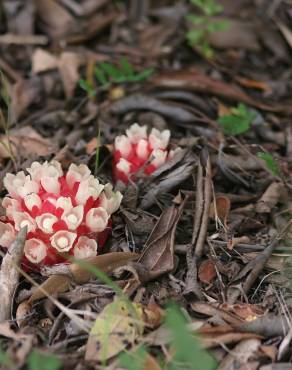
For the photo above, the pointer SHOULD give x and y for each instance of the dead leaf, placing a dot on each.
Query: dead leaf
(158, 252)
(56, 19)
(60, 283)
(222, 209)
(207, 271)
(270, 198)
(23, 94)
(43, 61)
(196, 81)
(25, 142)
(68, 66)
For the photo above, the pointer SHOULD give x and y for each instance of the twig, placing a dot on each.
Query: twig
(252, 270)
(201, 217)
(9, 274)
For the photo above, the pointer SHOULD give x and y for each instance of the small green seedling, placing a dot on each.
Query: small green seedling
(189, 354)
(271, 163)
(38, 361)
(199, 36)
(238, 121)
(107, 74)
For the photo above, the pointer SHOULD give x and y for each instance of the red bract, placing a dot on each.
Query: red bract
(64, 213)
(137, 151)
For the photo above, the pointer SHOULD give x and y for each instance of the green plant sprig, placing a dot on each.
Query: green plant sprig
(205, 26)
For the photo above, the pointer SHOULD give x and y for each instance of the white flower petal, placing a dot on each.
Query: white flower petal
(51, 184)
(7, 234)
(88, 188)
(110, 200)
(46, 222)
(85, 248)
(63, 240)
(32, 200)
(142, 149)
(65, 203)
(97, 219)
(123, 145)
(77, 174)
(124, 166)
(159, 139)
(23, 219)
(28, 187)
(35, 250)
(11, 205)
(136, 133)
(73, 217)
(159, 157)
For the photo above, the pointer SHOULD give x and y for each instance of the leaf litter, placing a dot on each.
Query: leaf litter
(210, 230)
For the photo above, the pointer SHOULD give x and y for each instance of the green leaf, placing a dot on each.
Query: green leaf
(126, 67)
(143, 75)
(38, 361)
(271, 163)
(238, 121)
(187, 347)
(101, 77)
(88, 87)
(133, 361)
(113, 72)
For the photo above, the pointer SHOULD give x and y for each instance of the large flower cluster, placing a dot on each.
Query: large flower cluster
(64, 213)
(137, 151)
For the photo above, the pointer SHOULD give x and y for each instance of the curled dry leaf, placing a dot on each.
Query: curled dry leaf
(168, 176)
(207, 271)
(221, 209)
(270, 198)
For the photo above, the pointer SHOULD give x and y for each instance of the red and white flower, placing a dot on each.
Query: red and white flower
(136, 151)
(65, 213)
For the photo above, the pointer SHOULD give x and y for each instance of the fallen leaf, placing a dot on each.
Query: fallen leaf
(43, 61)
(117, 326)
(207, 271)
(222, 209)
(23, 94)
(68, 66)
(25, 142)
(60, 283)
(270, 198)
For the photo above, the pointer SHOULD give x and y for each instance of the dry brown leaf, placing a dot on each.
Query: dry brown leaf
(68, 66)
(150, 363)
(222, 209)
(23, 94)
(25, 142)
(207, 271)
(43, 61)
(60, 283)
(270, 198)
(157, 256)
(56, 19)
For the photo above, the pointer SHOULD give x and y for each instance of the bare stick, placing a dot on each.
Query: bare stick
(9, 275)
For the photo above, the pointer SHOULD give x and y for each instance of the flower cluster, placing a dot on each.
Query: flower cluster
(137, 151)
(64, 213)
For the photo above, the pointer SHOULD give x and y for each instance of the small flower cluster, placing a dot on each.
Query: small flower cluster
(64, 213)
(138, 151)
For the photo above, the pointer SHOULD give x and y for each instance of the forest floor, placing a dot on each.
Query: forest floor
(211, 287)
